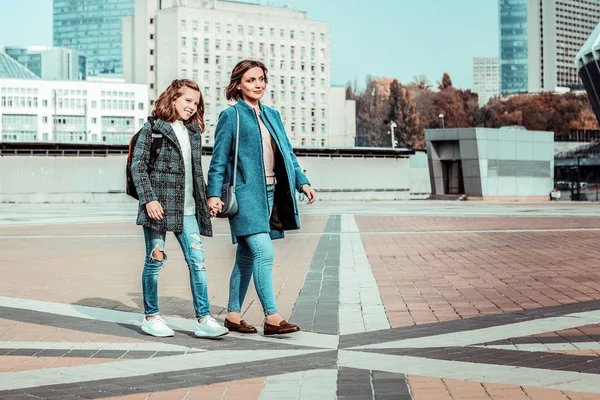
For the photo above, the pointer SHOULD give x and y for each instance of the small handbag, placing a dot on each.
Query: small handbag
(230, 208)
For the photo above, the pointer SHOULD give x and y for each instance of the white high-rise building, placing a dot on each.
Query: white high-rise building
(539, 40)
(486, 78)
(33, 110)
(204, 39)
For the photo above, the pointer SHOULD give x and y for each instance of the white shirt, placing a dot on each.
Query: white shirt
(183, 137)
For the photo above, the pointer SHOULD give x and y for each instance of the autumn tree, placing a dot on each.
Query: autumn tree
(404, 113)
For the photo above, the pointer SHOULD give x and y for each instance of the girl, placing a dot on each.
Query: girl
(267, 176)
(172, 197)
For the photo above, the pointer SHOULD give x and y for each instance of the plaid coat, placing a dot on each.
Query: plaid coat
(166, 182)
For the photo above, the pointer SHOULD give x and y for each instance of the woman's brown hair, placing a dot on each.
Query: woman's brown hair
(231, 91)
(164, 106)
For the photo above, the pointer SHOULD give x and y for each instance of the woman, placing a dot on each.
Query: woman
(267, 176)
(172, 198)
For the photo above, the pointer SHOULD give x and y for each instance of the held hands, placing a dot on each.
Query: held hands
(215, 205)
(155, 210)
(309, 193)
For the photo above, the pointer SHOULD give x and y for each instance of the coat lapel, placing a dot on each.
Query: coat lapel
(167, 130)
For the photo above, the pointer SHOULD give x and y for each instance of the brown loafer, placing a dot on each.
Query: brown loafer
(281, 329)
(242, 327)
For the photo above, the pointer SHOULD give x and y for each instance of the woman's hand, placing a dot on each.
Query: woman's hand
(155, 210)
(309, 193)
(215, 205)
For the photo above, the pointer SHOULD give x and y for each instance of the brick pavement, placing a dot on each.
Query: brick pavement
(477, 308)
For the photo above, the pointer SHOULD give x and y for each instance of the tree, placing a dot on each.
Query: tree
(446, 82)
(403, 112)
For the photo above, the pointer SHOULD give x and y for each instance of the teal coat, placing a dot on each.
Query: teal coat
(253, 215)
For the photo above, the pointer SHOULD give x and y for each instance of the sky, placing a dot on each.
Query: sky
(392, 38)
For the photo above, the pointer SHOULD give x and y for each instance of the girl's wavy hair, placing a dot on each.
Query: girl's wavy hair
(231, 91)
(164, 106)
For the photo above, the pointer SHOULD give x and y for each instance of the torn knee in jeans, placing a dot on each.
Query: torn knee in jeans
(158, 254)
(199, 266)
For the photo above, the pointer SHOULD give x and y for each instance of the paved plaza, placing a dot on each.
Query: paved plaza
(396, 300)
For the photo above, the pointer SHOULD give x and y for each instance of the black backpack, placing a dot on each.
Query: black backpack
(157, 139)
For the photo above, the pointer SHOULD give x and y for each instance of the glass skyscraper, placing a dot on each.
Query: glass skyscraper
(513, 46)
(94, 28)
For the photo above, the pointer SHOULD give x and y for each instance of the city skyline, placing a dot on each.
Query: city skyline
(360, 35)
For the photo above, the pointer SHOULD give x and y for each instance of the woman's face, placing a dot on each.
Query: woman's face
(187, 104)
(253, 84)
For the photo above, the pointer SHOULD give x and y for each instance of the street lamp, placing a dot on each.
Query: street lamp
(441, 116)
(392, 126)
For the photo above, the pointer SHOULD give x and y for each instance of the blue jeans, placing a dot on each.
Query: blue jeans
(254, 257)
(193, 251)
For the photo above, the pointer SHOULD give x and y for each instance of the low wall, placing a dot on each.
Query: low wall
(33, 179)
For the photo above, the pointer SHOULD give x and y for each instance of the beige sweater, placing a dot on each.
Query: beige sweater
(269, 146)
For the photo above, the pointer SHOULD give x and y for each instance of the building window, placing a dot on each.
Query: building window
(45, 103)
(282, 33)
(151, 21)
(206, 27)
(151, 36)
(183, 25)
(151, 52)
(261, 31)
(206, 44)
(183, 41)
(45, 120)
(141, 106)
(194, 25)
(152, 68)
(322, 37)
(322, 128)
(240, 30)
(94, 120)
(152, 86)
(292, 34)
(218, 44)
(240, 46)
(218, 27)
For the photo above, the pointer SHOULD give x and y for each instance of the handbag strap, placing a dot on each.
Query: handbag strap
(237, 142)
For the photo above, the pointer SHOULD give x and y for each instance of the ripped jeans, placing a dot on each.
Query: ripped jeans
(193, 251)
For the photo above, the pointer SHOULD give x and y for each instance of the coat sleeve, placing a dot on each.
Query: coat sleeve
(224, 133)
(301, 179)
(139, 165)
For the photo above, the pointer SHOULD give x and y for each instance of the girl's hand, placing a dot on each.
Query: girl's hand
(155, 210)
(310, 194)
(215, 205)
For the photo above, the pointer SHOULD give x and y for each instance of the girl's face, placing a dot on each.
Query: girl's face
(253, 84)
(186, 105)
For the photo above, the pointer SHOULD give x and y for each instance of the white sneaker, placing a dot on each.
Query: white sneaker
(157, 326)
(210, 327)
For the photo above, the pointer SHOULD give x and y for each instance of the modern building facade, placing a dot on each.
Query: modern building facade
(203, 40)
(11, 69)
(538, 41)
(486, 78)
(491, 164)
(50, 63)
(34, 110)
(93, 27)
(514, 41)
